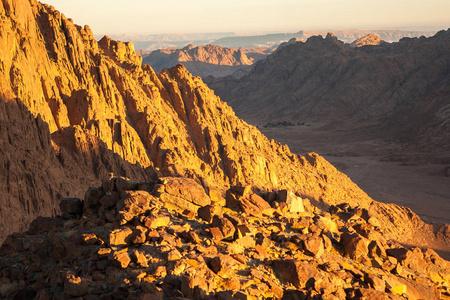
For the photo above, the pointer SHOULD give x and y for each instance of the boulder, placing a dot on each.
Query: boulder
(254, 205)
(182, 194)
(314, 246)
(301, 274)
(225, 226)
(207, 212)
(294, 203)
(71, 206)
(355, 246)
(120, 237)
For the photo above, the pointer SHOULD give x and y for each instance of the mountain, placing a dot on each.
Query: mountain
(368, 40)
(403, 87)
(202, 60)
(348, 36)
(205, 189)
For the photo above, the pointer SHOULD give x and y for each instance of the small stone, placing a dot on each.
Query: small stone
(173, 255)
(314, 246)
(120, 237)
(156, 221)
(208, 212)
(121, 259)
(76, 286)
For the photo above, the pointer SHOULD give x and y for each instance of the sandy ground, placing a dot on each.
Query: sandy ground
(386, 171)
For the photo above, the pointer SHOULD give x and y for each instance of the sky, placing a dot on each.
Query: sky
(202, 16)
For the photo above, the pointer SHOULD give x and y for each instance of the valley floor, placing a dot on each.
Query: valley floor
(387, 171)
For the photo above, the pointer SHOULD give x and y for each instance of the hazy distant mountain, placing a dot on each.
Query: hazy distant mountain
(347, 36)
(203, 60)
(368, 40)
(404, 85)
(256, 40)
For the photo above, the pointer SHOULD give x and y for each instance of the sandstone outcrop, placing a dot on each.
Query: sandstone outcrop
(97, 256)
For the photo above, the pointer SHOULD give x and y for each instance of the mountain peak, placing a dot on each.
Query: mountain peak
(368, 40)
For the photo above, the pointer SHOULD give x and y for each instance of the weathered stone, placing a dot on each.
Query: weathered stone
(91, 199)
(376, 249)
(173, 255)
(241, 191)
(43, 225)
(244, 230)
(194, 287)
(121, 259)
(139, 235)
(223, 265)
(139, 258)
(294, 203)
(156, 221)
(135, 201)
(182, 193)
(254, 205)
(375, 282)
(76, 286)
(314, 246)
(71, 206)
(216, 233)
(207, 213)
(354, 245)
(226, 227)
(120, 237)
(216, 197)
(232, 201)
(298, 273)
(395, 286)
(119, 184)
(91, 239)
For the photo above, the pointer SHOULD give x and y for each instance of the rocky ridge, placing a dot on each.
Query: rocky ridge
(201, 60)
(129, 240)
(325, 80)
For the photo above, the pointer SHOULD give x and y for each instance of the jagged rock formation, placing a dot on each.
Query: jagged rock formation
(368, 40)
(208, 60)
(402, 86)
(123, 242)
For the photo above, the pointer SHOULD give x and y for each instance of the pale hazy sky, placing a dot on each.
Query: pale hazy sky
(200, 16)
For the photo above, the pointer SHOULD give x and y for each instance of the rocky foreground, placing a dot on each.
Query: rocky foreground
(176, 239)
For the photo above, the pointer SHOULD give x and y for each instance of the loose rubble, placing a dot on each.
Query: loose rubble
(125, 240)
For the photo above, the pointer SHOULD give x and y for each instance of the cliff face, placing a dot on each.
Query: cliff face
(393, 85)
(201, 60)
(94, 109)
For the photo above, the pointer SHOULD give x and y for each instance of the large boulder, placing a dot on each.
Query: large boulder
(182, 194)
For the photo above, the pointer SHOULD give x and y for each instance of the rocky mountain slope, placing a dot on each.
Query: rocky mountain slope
(130, 240)
(92, 96)
(74, 110)
(201, 61)
(402, 86)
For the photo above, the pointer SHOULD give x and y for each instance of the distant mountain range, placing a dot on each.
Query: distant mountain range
(403, 86)
(255, 40)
